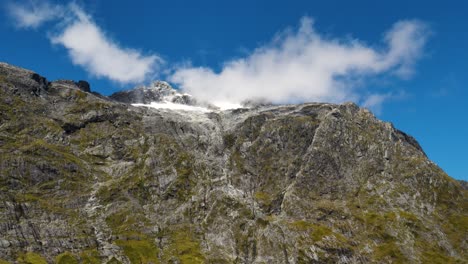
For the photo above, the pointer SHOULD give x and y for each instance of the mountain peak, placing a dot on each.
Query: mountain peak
(163, 85)
(305, 183)
(158, 91)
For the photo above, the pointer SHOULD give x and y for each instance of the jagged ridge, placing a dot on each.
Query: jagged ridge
(83, 177)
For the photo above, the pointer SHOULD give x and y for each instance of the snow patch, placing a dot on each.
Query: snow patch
(227, 105)
(174, 106)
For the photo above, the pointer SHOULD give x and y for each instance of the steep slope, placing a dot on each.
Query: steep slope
(85, 178)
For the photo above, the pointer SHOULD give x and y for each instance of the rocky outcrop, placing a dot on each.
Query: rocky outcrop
(158, 91)
(91, 179)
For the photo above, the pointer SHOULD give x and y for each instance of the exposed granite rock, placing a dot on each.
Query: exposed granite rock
(85, 178)
(157, 91)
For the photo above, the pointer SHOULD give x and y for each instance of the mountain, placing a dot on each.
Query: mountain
(158, 91)
(160, 94)
(86, 178)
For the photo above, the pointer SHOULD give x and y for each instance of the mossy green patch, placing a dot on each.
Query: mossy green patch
(319, 232)
(66, 258)
(389, 252)
(263, 198)
(139, 251)
(113, 261)
(4, 261)
(316, 232)
(90, 257)
(127, 222)
(184, 247)
(300, 225)
(456, 228)
(80, 95)
(181, 188)
(2, 78)
(411, 221)
(435, 255)
(377, 223)
(431, 252)
(31, 258)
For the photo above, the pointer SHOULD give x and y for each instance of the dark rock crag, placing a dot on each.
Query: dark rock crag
(90, 179)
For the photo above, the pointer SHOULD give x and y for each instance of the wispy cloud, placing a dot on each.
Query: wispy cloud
(305, 66)
(374, 102)
(89, 47)
(32, 14)
(296, 66)
(406, 40)
(86, 43)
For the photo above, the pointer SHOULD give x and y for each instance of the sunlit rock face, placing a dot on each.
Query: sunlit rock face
(161, 95)
(91, 179)
(158, 91)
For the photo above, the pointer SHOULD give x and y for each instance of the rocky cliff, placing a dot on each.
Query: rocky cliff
(90, 179)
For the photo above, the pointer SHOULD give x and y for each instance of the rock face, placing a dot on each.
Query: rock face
(86, 179)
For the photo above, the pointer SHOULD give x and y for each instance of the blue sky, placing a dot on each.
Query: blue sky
(408, 62)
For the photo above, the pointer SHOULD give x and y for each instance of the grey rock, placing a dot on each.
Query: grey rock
(308, 183)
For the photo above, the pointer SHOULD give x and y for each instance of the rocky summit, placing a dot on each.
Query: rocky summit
(158, 91)
(86, 178)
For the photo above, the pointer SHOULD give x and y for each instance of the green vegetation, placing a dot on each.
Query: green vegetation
(66, 258)
(431, 252)
(113, 261)
(263, 198)
(437, 257)
(90, 257)
(31, 258)
(184, 247)
(80, 95)
(389, 251)
(93, 133)
(127, 222)
(456, 228)
(411, 221)
(2, 79)
(377, 224)
(4, 261)
(181, 188)
(139, 251)
(316, 232)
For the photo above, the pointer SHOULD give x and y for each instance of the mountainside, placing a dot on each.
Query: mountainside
(86, 178)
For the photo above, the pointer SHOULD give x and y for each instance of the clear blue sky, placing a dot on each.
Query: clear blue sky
(430, 104)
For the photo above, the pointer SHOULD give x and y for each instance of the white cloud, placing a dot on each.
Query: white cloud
(297, 66)
(406, 40)
(33, 13)
(304, 66)
(88, 46)
(374, 102)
